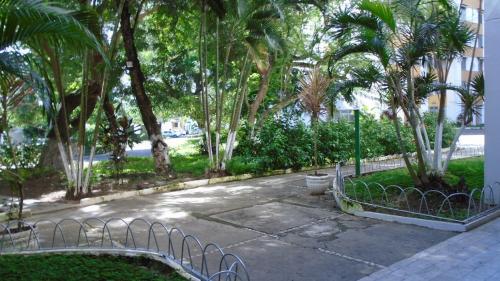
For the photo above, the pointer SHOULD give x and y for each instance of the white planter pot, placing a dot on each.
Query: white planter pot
(317, 185)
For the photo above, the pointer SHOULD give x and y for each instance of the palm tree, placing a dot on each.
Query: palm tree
(37, 29)
(427, 31)
(313, 92)
(257, 25)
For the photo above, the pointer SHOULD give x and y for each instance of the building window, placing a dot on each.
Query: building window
(477, 64)
(480, 64)
(463, 10)
(470, 14)
(433, 109)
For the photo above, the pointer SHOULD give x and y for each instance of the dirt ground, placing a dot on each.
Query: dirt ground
(51, 187)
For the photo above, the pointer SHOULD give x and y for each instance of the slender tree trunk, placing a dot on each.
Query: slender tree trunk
(314, 127)
(159, 148)
(453, 146)
(218, 104)
(438, 139)
(259, 98)
(109, 110)
(50, 157)
(204, 81)
(17, 181)
(414, 122)
(237, 106)
(402, 147)
(220, 110)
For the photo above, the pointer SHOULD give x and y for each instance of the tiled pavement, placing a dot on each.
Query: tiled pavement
(474, 256)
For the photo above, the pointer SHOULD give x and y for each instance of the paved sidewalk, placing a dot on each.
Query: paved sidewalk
(281, 232)
(473, 256)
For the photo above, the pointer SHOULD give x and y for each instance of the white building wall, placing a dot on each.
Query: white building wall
(492, 88)
(454, 108)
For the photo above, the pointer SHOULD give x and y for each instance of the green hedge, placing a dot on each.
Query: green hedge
(284, 143)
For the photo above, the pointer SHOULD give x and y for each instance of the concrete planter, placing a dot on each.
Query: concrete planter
(318, 184)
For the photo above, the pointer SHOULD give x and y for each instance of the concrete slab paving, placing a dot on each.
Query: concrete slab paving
(274, 217)
(271, 259)
(280, 231)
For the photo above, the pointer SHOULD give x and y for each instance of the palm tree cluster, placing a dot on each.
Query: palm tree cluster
(42, 28)
(412, 44)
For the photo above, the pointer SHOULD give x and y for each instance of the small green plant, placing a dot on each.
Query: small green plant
(116, 138)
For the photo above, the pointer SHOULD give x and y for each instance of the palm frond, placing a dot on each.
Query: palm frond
(313, 88)
(29, 21)
(477, 85)
(472, 105)
(359, 78)
(381, 11)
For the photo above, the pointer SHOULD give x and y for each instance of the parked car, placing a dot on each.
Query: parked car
(169, 134)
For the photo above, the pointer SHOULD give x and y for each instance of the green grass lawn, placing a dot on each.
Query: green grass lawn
(189, 165)
(185, 158)
(83, 267)
(472, 169)
(186, 162)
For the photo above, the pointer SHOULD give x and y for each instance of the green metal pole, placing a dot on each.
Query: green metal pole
(357, 142)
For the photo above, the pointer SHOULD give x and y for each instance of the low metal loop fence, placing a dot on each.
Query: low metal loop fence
(395, 161)
(462, 207)
(207, 262)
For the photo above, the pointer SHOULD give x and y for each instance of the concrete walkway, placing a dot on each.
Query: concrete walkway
(281, 232)
(473, 256)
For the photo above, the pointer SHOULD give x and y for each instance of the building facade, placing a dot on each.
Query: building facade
(467, 67)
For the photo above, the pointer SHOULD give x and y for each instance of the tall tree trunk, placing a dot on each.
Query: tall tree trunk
(261, 94)
(235, 119)
(109, 110)
(159, 147)
(443, 68)
(204, 81)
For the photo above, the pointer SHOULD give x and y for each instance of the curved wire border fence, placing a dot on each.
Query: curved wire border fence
(476, 207)
(231, 267)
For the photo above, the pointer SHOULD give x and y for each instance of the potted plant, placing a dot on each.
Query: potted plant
(313, 87)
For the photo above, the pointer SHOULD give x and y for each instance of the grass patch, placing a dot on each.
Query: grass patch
(190, 165)
(193, 164)
(240, 165)
(472, 169)
(83, 267)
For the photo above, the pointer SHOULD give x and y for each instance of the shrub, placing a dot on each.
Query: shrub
(244, 165)
(280, 144)
(287, 143)
(27, 153)
(336, 141)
